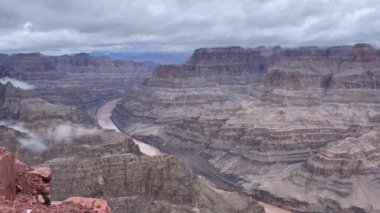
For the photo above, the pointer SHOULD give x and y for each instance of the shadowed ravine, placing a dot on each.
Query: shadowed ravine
(199, 166)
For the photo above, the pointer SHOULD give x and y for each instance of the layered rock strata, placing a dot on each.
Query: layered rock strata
(341, 178)
(104, 164)
(255, 112)
(145, 184)
(25, 106)
(37, 131)
(77, 80)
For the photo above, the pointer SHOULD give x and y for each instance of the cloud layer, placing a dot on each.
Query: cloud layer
(16, 83)
(175, 25)
(38, 142)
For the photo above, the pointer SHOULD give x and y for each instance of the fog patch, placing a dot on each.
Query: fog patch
(17, 83)
(15, 126)
(37, 141)
(40, 141)
(32, 142)
(67, 132)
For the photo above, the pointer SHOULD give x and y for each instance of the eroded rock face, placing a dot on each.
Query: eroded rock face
(79, 80)
(260, 113)
(144, 184)
(37, 131)
(341, 178)
(7, 177)
(97, 163)
(145, 175)
(37, 149)
(25, 106)
(348, 157)
(23, 188)
(98, 205)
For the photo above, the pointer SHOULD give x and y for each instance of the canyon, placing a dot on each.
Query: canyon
(294, 127)
(77, 80)
(104, 119)
(96, 163)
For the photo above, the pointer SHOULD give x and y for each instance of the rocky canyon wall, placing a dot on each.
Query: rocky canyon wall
(262, 114)
(77, 80)
(91, 162)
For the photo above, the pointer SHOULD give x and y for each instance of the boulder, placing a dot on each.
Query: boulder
(97, 205)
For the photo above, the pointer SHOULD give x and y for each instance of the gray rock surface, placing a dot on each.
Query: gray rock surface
(143, 184)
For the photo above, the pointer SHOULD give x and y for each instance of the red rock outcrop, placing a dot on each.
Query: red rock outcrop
(7, 177)
(97, 205)
(24, 188)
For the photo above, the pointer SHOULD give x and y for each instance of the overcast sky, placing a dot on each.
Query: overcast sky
(65, 26)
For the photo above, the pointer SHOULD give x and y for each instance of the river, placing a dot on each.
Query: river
(103, 115)
(273, 209)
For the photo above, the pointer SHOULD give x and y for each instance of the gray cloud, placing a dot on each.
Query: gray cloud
(175, 25)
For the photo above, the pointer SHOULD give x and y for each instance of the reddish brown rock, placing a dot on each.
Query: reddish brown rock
(43, 172)
(35, 182)
(97, 205)
(7, 175)
(32, 183)
(21, 167)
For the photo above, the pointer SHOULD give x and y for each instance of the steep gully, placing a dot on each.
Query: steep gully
(103, 116)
